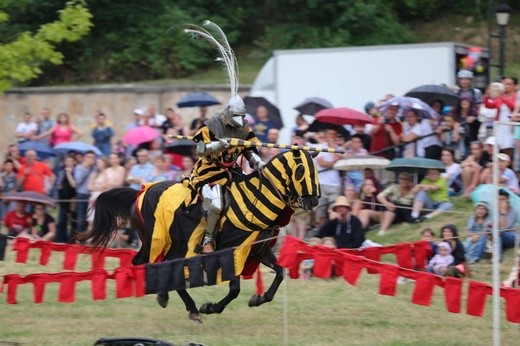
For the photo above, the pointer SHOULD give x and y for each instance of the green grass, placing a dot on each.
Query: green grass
(319, 312)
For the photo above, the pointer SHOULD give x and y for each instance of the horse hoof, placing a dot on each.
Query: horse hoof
(205, 308)
(195, 317)
(254, 301)
(162, 301)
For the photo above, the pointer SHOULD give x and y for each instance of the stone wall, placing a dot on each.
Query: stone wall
(116, 101)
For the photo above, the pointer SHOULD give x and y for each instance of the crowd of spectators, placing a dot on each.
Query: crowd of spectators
(352, 203)
(460, 137)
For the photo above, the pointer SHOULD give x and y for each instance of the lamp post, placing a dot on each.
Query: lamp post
(502, 13)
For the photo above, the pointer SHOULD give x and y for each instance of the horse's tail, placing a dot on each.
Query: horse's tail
(113, 210)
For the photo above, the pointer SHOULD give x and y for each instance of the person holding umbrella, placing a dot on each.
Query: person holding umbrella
(397, 200)
(386, 133)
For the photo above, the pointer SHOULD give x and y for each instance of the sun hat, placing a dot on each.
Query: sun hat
(341, 201)
(503, 157)
(138, 111)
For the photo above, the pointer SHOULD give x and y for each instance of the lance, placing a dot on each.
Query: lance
(242, 143)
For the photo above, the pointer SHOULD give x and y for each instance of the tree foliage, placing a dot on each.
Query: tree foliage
(143, 40)
(22, 58)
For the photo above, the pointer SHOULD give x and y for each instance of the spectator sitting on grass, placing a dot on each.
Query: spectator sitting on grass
(507, 178)
(440, 262)
(428, 235)
(397, 200)
(507, 221)
(473, 166)
(343, 226)
(366, 208)
(432, 194)
(478, 226)
(450, 234)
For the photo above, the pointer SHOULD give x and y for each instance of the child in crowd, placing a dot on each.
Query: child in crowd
(479, 225)
(306, 266)
(427, 234)
(440, 262)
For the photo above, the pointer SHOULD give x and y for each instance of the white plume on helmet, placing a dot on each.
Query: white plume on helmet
(235, 110)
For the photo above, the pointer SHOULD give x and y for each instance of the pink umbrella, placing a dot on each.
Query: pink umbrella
(343, 116)
(141, 134)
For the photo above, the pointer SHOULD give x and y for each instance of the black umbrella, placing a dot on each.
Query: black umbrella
(313, 105)
(197, 99)
(318, 126)
(29, 197)
(252, 103)
(432, 92)
(184, 147)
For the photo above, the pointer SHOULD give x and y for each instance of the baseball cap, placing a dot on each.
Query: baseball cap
(465, 74)
(503, 157)
(138, 111)
(491, 141)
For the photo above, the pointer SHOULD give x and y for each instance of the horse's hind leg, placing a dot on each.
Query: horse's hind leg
(217, 308)
(194, 313)
(269, 259)
(162, 299)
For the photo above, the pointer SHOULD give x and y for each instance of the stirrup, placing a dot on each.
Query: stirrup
(207, 241)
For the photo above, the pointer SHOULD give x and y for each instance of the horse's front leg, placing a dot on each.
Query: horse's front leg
(269, 259)
(194, 313)
(217, 308)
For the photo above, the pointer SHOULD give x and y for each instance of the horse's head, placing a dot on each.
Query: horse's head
(297, 175)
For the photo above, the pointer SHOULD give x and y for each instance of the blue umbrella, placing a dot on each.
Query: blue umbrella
(43, 150)
(79, 147)
(197, 99)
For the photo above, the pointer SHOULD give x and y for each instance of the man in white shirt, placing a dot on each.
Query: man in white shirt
(26, 129)
(155, 119)
(330, 180)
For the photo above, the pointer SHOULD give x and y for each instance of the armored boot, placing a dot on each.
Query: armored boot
(212, 206)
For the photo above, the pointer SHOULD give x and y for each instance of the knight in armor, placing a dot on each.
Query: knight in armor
(218, 160)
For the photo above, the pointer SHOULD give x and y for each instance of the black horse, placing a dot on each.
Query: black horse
(168, 218)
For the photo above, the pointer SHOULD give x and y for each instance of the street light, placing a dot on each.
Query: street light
(502, 14)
